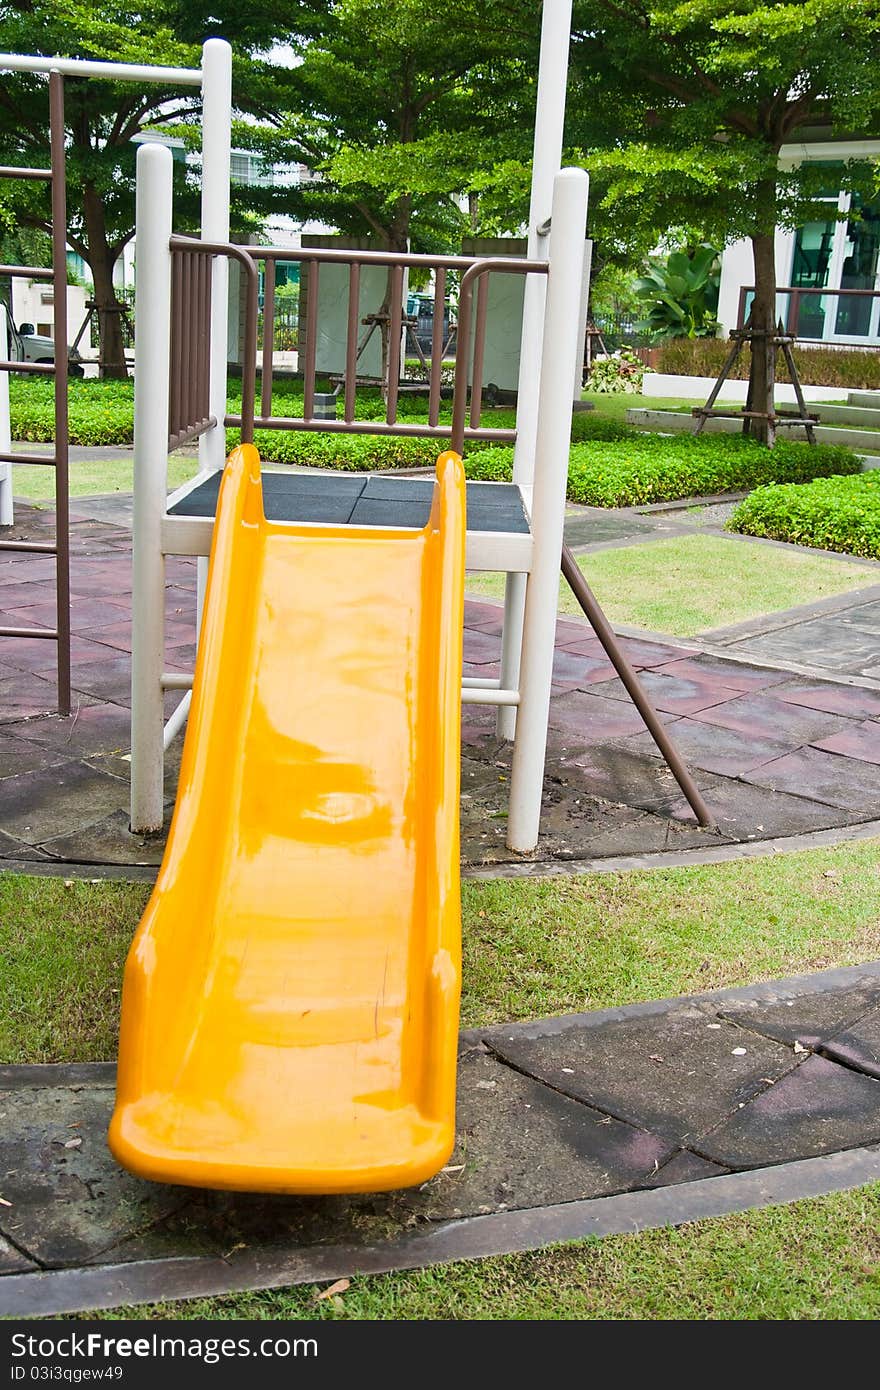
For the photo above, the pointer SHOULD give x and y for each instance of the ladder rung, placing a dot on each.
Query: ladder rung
(37, 368)
(47, 634)
(29, 272)
(12, 171)
(48, 459)
(29, 547)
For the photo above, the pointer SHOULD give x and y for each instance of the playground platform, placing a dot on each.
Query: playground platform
(779, 754)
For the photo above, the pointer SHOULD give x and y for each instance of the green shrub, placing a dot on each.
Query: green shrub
(654, 468)
(101, 412)
(623, 371)
(837, 513)
(849, 369)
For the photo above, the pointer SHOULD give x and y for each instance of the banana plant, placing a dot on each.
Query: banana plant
(681, 295)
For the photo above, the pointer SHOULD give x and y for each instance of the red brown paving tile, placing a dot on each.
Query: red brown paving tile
(765, 717)
(589, 718)
(573, 670)
(848, 783)
(26, 595)
(644, 653)
(85, 615)
(480, 648)
(82, 651)
(673, 694)
(850, 700)
(733, 674)
(862, 742)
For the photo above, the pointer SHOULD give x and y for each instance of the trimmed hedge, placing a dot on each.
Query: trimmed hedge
(656, 468)
(837, 513)
(850, 369)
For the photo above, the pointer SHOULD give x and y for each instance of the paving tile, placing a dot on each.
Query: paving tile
(107, 841)
(69, 1204)
(594, 718)
(744, 810)
(574, 670)
(849, 783)
(810, 1018)
(858, 1046)
(674, 1072)
(85, 615)
(100, 728)
(822, 642)
(736, 675)
(619, 772)
(12, 1261)
(109, 679)
(672, 694)
(523, 1144)
(765, 717)
(818, 1108)
(479, 647)
(10, 848)
(37, 806)
(24, 694)
(850, 700)
(713, 749)
(644, 653)
(862, 742)
(17, 755)
(685, 1167)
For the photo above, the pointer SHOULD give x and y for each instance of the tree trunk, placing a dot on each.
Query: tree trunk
(762, 373)
(397, 239)
(101, 260)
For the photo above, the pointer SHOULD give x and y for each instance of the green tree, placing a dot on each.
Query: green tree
(682, 109)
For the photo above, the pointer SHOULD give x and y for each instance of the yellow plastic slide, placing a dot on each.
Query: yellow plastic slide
(290, 1006)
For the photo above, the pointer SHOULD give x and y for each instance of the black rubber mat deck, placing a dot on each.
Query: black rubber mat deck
(355, 499)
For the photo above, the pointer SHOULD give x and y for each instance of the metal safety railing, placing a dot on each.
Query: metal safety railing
(467, 407)
(60, 547)
(189, 407)
(807, 312)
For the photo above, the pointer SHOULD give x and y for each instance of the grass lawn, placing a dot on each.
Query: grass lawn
(688, 584)
(532, 949)
(37, 484)
(614, 407)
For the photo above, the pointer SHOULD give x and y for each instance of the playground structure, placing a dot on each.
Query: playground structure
(303, 939)
(214, 79)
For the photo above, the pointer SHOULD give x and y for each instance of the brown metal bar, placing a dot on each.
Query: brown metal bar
(47, 459)
(619, 660)
(200, 408)
(30, 547)
(415, 431)
(12, 171)
(436, 373)
(395, 346)
(177, 271)
(33, 368)
(268, 336)
(515, 265)
(27, 272)
(479, 350)
(459, 390)
(48, 634)
(311, 346)
(351, 342)
(187, 433)
(62, 434)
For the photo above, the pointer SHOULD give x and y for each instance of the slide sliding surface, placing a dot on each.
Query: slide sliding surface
(290, 1005)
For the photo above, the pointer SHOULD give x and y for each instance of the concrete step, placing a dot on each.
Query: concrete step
(669, 421)
(848, 414)
(869, 399)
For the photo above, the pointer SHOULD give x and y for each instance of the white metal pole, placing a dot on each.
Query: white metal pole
(560, 349)
(216, 160)
(7, 514)
(547, 157)
(152, 365)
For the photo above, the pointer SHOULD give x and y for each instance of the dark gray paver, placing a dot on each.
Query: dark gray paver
(108, 841)
(824, 642)
(850, 700)
(96, 728)
(858, 1046)
(809, 1018)
(848, 783)
(518, 1139)
(17, 755)
(57, 800)
(631, 771)
(713, 749)
(818, 1108)
(685, 1166)
(744, 810)
(764, 716)
(596, 524)
(862, 742)
(22, 694)
(677, 1072)
(12, 1261)
(69, 1203)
